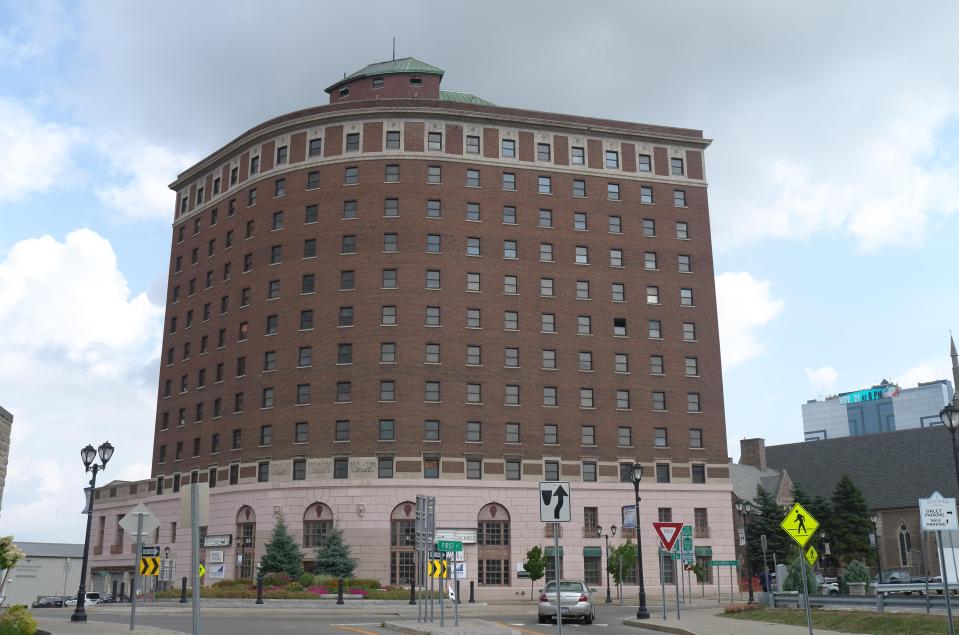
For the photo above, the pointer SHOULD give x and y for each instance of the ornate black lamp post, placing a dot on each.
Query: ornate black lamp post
(642, 613)
(612, 532)
(88, 455)
(950, 419)
(745, 510)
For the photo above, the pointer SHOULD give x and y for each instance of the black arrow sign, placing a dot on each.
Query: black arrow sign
(149, 566)
(560, 495)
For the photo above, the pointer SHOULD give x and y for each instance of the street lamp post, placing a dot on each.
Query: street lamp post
(599, 532)
(642, 613)
(745, 510)
(88, 455)
(950, 419)
(875, 537)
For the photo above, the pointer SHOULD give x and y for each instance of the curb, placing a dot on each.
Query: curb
(652, 626)
(474, 627)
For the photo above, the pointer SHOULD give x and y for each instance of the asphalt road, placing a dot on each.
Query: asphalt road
(356, 622)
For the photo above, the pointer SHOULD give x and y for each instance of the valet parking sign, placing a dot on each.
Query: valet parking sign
(937, 513)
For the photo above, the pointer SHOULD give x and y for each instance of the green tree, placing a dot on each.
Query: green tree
(626, 551)
(282, 553)
(535, 566)
(10, 554)
(767, 516)
(333, 557)
(850, 523)
(794, 582)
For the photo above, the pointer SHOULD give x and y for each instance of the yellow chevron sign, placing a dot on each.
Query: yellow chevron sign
(439, 569)
(149, 566)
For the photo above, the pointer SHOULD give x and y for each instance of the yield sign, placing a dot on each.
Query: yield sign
(668, 533)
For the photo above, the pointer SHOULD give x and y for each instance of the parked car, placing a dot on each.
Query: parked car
(49, 602)
(827, 586)
(576, 601)
(91, 598)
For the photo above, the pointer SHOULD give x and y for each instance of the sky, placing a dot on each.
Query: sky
(833, 182)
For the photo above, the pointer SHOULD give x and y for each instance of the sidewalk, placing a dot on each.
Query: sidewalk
(63, 626)
(711, 622)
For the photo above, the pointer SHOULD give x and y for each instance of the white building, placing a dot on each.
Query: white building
(48, 569)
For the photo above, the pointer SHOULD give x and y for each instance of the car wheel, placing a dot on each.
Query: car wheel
(588, 619)
(543, 620)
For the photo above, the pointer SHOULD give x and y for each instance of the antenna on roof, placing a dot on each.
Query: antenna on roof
(394, 48)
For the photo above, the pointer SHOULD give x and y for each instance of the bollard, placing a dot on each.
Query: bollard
(183, 591)
(339, 591)
(122, 588)
(259, 588)
(880, 604)
(458, 600)
(412, 592)
(471, 593)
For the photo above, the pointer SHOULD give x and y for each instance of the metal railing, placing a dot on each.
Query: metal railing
(885, 595)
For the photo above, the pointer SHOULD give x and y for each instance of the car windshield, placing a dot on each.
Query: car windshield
(565, 587)
(93, 596)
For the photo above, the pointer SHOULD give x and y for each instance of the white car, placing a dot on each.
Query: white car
(91, 598)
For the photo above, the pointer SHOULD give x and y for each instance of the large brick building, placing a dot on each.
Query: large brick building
(414, 291)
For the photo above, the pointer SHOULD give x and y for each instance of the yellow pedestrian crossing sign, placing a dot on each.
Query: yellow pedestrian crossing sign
(812, 555)
(439, 569)
(799, 524)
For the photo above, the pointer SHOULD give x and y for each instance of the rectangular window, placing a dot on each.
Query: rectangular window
(649, 228)
(649, 260)
(347, 280)
(583, 325)
(392, 174)
(474, 393)
(548, 323)
(622, 400)
(351, 175)
(387, 390)
(652, 295)
(508, 148)
(434, 141)
(473, 320)
(582, 289)
(254, 165)
(473, 355)
(311, 214)
(686, 297)
(432, 353)
(266, 435)
(389, 279)
(551, 471)
(433, 316)
(472, 144)
(550, 396)
(612, 160)
(550, 434)
(473, 212)
(344, 392)
(473, 246)
(391, 207)
(432, 391)
(509, 181)
(434, 174)
(342, 431)
(309, 248)
(656, 364)
(662, 472)
(345, 316)
(645, 163)
(316, 147)
(474, 468)
(341, 467)
(279, 188)
(546, 287)
(387, 352)
(393, 140)
(579, 187)
(474, 431)
(618, 292)
(509, 215)
(344, 354)
(679, 198)
(615, 225)
(689, 331)
(625, 437)
(585, 397)
(353, 142)
(348, 244)
(549, 359)
(434, 209)
(622, 362)
(682, 231)
(659, 401)
(349, 210)
(544, 185)
(577, 156)
(587, 435)
(543, 152)
(385, 467)
(306, 320)
(582, 255)
(390, 243)
(512, 395)
(692, 367)
(304, 357)
(676, 166)
(589, 472)
(472, 178)
(512, 433)
(692, 402)
(683, 263)
(696, 438)
(612, 191)
(585, 360)
(546, 252)
(473, 282)
(509, 249)
(615, 257)
(387, 430)
(388, 316)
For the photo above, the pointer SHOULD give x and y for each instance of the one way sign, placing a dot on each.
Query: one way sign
(555, 502)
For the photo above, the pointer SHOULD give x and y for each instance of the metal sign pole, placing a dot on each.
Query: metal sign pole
(456, 595)
(805, 586)
(559, 610)
(195, 554)
(676, 580)
(442, 585)
(945, 582)
(662, 580)
(136, 572)
(420, 556)
(430, 502)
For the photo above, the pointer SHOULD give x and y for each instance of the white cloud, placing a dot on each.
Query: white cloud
(80, 355)
(823, 379)
(141, 173)
(745, 304)
(929, 370)
(36, 154)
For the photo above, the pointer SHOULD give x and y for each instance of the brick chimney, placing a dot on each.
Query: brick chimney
(753, 452)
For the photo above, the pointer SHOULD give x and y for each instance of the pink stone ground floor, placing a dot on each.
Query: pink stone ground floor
(366, 511)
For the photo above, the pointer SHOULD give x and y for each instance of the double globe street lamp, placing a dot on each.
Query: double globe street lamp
(599, 533)
(745, 510)
(88, 455)
(636, 475)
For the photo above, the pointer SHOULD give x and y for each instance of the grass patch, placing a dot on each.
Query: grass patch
(852, 621)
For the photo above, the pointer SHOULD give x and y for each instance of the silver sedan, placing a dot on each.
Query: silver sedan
(576, 601)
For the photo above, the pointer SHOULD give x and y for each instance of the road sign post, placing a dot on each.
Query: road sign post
(801, 526)
(554, 508)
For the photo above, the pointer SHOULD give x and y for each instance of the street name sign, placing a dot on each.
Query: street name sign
(555, 502)
(799, 524)
(686, 545)
(449, 545)
(668, 533)
(937, 513)
(723, 563)
(149, 551)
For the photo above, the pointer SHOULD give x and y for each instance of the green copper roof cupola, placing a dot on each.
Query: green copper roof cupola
(407, 77)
